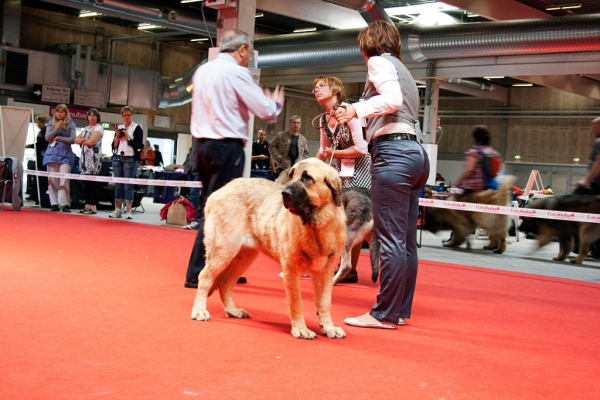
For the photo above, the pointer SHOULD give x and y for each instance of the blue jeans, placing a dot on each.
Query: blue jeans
(123, 167)
(399, 170)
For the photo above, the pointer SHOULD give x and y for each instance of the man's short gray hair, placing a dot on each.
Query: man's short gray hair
(232, 40)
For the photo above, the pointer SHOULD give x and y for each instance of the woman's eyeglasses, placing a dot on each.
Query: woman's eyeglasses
(319, 86)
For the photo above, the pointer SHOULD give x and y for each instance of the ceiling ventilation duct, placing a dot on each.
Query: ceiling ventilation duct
(140, 11)
(530, 36)
(370, 10)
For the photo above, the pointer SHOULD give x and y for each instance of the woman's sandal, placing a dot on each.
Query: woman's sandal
(83, 211)
(90, 212)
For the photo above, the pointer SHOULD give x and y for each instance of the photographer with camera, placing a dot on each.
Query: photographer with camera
(126, 148)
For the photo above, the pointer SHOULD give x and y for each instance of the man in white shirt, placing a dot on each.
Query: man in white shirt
(224, 95)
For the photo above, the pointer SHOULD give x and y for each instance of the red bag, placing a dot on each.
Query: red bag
(190, 210)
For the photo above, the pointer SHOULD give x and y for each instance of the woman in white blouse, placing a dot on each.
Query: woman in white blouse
(399, 169)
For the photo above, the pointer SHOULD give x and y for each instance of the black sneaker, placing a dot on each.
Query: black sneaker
(54, 208)
(66, 210)
(192, 284)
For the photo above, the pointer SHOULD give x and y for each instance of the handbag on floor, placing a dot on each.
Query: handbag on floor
(178, 211)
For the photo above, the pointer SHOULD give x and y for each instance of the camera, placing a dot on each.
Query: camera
(120, 133)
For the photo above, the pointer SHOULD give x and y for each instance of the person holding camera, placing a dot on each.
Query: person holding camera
(126, 148)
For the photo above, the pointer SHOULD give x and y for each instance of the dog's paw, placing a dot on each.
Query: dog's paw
(575, 261)
(334, 333)
(303, 333)
(558, 258)
(237, 313)
(200, 315)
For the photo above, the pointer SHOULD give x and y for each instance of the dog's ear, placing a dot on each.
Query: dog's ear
(334, 183)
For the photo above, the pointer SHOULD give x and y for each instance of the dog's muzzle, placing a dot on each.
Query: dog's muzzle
(295, 200)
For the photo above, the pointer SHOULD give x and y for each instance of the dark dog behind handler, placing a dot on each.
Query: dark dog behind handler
(399, 169)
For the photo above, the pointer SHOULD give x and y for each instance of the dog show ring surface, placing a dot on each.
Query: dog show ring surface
(113, 321)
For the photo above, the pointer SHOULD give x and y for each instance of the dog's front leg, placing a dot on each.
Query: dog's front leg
(322, 288)
(199, 311)
(291, 281)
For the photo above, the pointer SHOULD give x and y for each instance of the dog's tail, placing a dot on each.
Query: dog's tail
(374, 247)
(505, 184)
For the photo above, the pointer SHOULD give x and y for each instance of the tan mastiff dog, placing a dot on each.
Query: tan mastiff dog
(301, 224)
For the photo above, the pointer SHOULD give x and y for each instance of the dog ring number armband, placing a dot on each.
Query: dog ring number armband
(347, 167)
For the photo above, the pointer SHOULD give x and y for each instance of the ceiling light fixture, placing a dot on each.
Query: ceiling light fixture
(85, 13)
(563, 7)
(199, 40)
(145, 26)
(258, 15)
(472, 15)
(420, 9)
(311, 29)
(523, 84)
(493, 77)
(190, 1)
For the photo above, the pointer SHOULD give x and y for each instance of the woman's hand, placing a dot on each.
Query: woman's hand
(327, 152)
(60, 124)
(343, 114)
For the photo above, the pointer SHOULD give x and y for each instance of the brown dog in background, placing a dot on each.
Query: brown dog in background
(464, 223)
(302, 225)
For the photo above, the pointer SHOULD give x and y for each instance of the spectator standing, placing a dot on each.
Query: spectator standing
(289, 147)
(90, 140)
(125, 146)
(224, 95)
(147, 154)
(261, 158)
(158, 158)
(41, 144)
(59, 157)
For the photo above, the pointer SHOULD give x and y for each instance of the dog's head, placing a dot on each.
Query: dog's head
(311, 185)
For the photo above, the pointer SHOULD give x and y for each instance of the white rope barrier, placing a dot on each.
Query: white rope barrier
(99, 178)
(449, 204)
(506, 210)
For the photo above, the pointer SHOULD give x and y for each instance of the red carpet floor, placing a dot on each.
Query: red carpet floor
(95, 308)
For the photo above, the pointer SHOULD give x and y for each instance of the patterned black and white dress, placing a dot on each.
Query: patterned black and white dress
(343, 137)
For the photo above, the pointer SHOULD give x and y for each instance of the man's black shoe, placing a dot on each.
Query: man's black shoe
(54, 208)
(191, 284)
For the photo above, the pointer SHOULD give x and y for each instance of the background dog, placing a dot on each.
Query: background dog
(546, 230)
(359, 227)
(464, 223)
(302, 225)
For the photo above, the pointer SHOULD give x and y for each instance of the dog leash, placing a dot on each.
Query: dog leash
(334, 143)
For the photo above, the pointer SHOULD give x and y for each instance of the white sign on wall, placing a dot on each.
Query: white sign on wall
(56, 94)
(162, 121)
